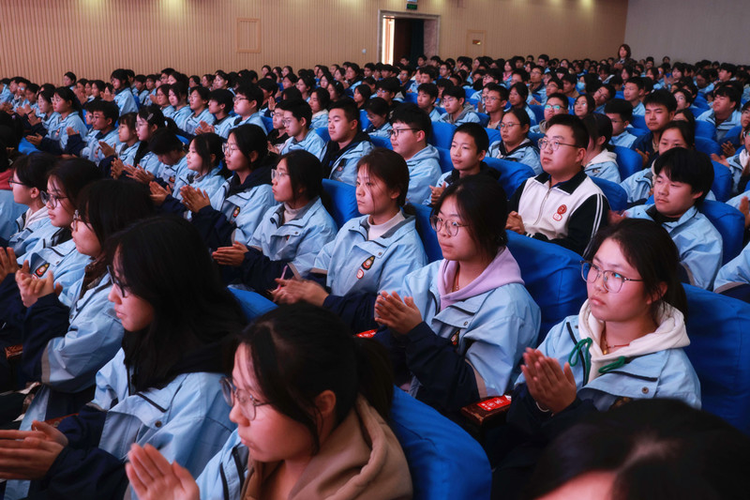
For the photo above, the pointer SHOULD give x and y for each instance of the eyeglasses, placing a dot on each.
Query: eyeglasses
(231, 394)
(53, 200)
(287, 121)
(555, 145)
(240, 98)
(612, 280)
(117, 282)
(556, 107)
(12, 182)
(76, 220)
(451, 227)
(228, 149)
(396, 131)
(491, 98)
(276, 174)
(508, 125)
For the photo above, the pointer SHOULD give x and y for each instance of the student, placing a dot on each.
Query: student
(683, 97)
(170, 151)
(332, 394)
(620, 112)
(234, 211)
(370, 253)
(660, 108)
(247, 102)
(583, 106)
(626, 343)
(140, 92)
(494, 98)
(602, 96)
(146, 164)
(556, 104)
(128, 144)
(220, 104)
(29, 185)
(162, 100)
(427, 94)
(348, 143)
(569, 82)
(296, 118)
(455, 113)
(517, 96)
(725, 113)
(682, 179)
(554, 86)
(277, 136)
(378, 112)
(178, 100)
(388, 89)
(198, 102)
(634, 91)
(290, 235)
(572, 207)
(104, 118)
(600, 161)
(515, 144)
(739, 164)
(412, 128)
(460, 325)
(172, 354)
(469, 146)
(65, 104)
(319, 102)
(362, 96)
(123, 96)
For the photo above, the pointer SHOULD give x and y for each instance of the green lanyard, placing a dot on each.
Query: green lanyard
(582, 349)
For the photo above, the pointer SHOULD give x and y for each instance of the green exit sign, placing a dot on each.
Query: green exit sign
(411, 6)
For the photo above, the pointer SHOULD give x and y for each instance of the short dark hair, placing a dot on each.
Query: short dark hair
(686, 128)
(523, 117)
(300, 109)
(207, 145)
(390, 84)
(637, 81)
(477, 132)
(562, 98)
(689, 167)
(252, 92)
(349, 107)
(165, 141)
(494, 87)
(305, 171)
(390, 167)
(428, 88)
(454, 91)
(661, 97)
(32, 170)
(412, 115)
(576, 126)
(598, 125)
(729, 92)
(620, 107)
(522, 90)
(377, 105)
(250, 138)
(324, 98)
(222, 96)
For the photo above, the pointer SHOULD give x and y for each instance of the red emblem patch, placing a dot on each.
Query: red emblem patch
(360, 274)
(562, 209)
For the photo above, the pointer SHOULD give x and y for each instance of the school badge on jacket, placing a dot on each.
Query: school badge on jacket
(560, 211)
(366, 265)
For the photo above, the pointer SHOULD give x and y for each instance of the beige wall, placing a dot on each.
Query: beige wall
(92, 37)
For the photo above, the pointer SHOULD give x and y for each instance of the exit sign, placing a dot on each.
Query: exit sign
(411, 6)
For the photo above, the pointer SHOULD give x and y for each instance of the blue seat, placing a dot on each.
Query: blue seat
(638, 132)
(722, 185)
(26, 147)
(538, 110)
(442, 134)
(268, 123)
(719, 350)
(183, 139)
(323, 133)
(493, 134)
(484, 119)
(619, 94)
(444, 461)
(628, 161)
(733, 136)
(344, 201)
(427, 234)
(364, 122)
(639, 121)
(708, 146)
(616, 195)
(472, 101)
(410, 97)
(446, 164)
(704, 129)
(730, 223)
(253, 304)
(381, 142)
(552, 275)
(512, 173)
(535, 136)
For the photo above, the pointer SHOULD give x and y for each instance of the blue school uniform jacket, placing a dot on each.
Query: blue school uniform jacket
(93, 151)
(126, 102)
(725, 126)
(638, 186)
(736, 270)
(435, 115)
(10, 211)
(467, 115)
(169, 173)
(384, 130)
(526, 153)
(210, 183)
(168, 111)
(150, 162)
(604, 166)
(319, 120)
(223, 126)
(224, 475)
(127, 153)
(57, 137)
(341, 164)
(194, 122)
(38, 232)
(639, 110)
(181, 116)
(735, 167)
(699, 243)
(254, 119)
(424, 171)
(65, 262)
(626, 139)
(312, 143)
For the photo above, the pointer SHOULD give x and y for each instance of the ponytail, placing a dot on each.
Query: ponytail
(375, 374)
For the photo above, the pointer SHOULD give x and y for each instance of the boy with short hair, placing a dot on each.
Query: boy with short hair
(569, 82)
(562, 205)
(388, 89)
(247, 102)
(660, 107)
(455, 111)
(220, 101)
(103, 119)
(468, 148)
(557, 104)
(620, 112)
(725, 114)
(495, 98)
(348, 143)
(427, 94)
(602, 96)
(297, 116)
(411, 128)
(682, 180)
(634, 91)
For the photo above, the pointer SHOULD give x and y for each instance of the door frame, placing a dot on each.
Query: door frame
(382, 14)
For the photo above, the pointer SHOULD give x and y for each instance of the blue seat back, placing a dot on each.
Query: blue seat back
(446, 164)
(442, 134)
(535, 136)
(628, 162)
(704, 129)
(722, 185)
(708, 146)
(733, 136)
(553, 278)
(268, 123)
(344, 201)
(638, 132)
(410, 97)
(484, 119)
(512, 173)
(253, 304)
(639, 121)
(444, 461)
(493, 134)
(616, 195)
(183, 139)
(719, 350)
(323, 133)
(538, 110)
(381, 142)
(730, 223)
(427, 234)
(364, 122)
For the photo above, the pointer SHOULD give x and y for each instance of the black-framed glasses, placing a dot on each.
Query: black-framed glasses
(394, 132)
(231, 394)
(53, 200)
(613, 280)
(276, 174)
(12, 183)
(117, 282)
(451, 227)
(544, 143)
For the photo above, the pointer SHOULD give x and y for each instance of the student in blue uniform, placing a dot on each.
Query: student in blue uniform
(460, 325)
(220, 104)
(725, 113)
(600, 161)
(626, 343)
(739, 164)
(29, 185)
(348, 143)
(620, 112)
(247, 102)
(162, 100)
(377, 112)
(735, 272)
(633, 91)
(319, 102)
(296, 118)
(517, 95)
(146, 164)
(127, 147)
(103, 119)
(515, 144)
(178, 100)
(427, 94)
(682, 179)
(198, 101)
(455, 112)
(162, 387)
(64, 103)
(660, 107)
(370, 253)
(170, 151)
(123, 96)
(290, 235)
(235, 210)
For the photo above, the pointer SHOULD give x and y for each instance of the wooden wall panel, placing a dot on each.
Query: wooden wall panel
(92, 37)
